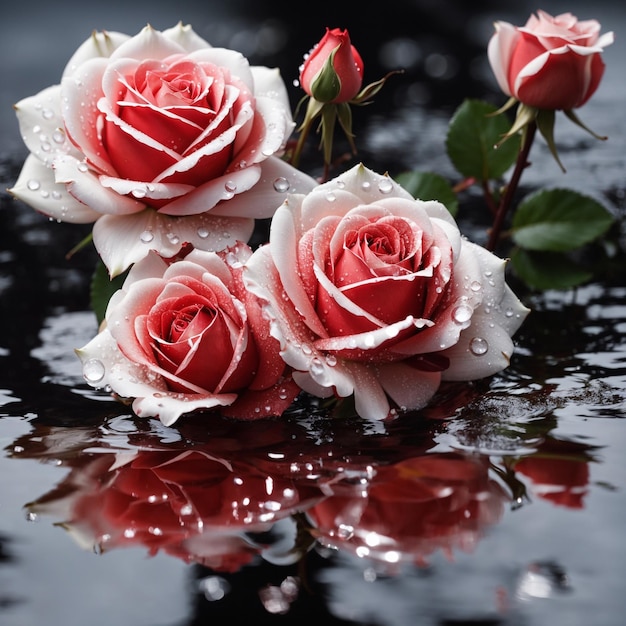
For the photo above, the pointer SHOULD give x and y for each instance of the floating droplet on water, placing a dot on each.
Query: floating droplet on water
(93, 371)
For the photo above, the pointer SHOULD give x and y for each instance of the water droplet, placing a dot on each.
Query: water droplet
(331, 360)
(316, 367)
(173, 238)
(344, 531)
(138, 193)
(33, 184)
(330, 196)
(281, 184)
(230, 186)
(508, 312)
(462, 313)
(475, 285)
(93, 371)
(147, 236)
(82, 167)
(479, 346)
(203, 232)
(385, 186)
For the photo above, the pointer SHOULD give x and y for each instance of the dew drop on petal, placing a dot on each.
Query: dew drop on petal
(33, 184)
(203, 232)
(478, 346)
(281, 184)
(462, 313)
(147, 236)
(93, 371)
(385, 186)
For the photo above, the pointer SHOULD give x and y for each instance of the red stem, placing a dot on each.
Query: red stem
(505, 201)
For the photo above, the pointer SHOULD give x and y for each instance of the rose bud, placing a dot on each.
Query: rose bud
(333, 71)
(551, 62)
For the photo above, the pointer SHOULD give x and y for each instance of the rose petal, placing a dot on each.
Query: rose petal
(122, 240)
(218, 190)
(85, 186)
(36, 186)
(41, 125)
(98, 45)
(277, 178)
(408, 387)
(184, 36)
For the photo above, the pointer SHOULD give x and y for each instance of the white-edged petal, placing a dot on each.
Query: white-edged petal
(104, 365)
(98, 45)
(84, 185)
(409, 388)
(37, 187)
(185, 36)
(221, 189)
(122, 240)
(269, 83)
(499, 51)
(277, 179)
(41, 125)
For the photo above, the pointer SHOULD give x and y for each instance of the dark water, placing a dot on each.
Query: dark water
(503, 503)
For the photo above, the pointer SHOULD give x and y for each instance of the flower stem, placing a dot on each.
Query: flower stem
(507, 197)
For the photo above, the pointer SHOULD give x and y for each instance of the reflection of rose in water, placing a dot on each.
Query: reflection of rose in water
(413, 508)
(560, 479)
(189, 504)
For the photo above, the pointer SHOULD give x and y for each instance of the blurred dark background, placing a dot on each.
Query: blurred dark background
(440, 44)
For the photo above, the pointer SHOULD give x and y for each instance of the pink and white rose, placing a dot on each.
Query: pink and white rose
(375, 294)
(186, 336)
(159, 140)
(550, 62)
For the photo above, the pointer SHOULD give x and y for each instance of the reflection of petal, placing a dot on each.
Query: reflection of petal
(122, 240)
(36, 186)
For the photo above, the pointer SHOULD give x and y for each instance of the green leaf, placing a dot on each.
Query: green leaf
(429, 186)
(558, 220)
(548, 270)
(102, 288)
(473, 135)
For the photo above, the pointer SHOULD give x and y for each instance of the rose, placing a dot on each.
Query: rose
(188, 336)
(412, 508)
(160, 139)
(551, 62)
(333, 70)
(190, 504)
(376, 294)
